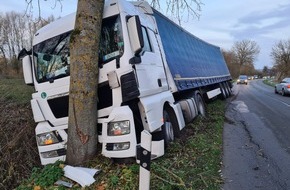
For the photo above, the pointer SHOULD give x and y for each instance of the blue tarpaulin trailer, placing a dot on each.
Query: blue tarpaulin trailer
(193, 62)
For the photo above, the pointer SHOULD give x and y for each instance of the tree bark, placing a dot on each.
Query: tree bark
(84, 48)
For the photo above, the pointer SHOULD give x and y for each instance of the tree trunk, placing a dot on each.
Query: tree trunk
(84, 48)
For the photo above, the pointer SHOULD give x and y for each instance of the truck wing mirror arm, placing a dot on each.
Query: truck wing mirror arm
(23, 53)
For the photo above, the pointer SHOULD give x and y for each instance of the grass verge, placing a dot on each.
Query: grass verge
(269, 82)
(18, 151)
(191, 162)
(15, 90)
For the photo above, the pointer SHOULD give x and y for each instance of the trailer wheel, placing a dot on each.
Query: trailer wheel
(223, 94)
(170, 127)
(228, 89)
(200, 105)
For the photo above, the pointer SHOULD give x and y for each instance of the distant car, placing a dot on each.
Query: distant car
(283, 87)
(243, 79)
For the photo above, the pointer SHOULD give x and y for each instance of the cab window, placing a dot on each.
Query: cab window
(147, 45)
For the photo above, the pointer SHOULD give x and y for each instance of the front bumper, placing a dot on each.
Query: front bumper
(287, 90)
(53, 152)
(57, 151)
(118, 114)
(242, 82)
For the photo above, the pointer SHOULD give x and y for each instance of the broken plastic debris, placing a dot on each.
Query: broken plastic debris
(64, 183)
(89, 170)
(83, 176)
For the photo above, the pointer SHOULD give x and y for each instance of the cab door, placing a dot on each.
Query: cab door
(150, 72)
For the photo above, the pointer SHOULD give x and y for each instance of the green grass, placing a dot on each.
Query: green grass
(269, 82)
(44, 177)
(18, 150)
(191, 162)
(15, 90)
(194, 162)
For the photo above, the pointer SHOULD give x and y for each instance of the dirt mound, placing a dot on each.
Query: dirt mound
(18, 150)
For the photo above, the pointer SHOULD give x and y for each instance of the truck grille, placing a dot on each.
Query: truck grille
(59, 105)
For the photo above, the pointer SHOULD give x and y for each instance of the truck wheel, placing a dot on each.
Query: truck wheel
(223, 94)
(228, 89)
(167, 129)
(200, 105)
(170, 128)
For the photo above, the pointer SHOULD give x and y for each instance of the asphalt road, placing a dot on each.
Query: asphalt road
(256, 139)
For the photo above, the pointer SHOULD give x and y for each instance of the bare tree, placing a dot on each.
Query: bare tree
(12, 38)
(231, 62)
(3, 57)
(246, 51)
(181, 8)
(281, 57)
(30, 8)
(16, 32)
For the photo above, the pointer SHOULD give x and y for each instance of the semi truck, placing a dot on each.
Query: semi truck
(153, 76)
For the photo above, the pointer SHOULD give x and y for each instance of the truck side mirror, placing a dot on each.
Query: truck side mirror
(26, 65)
(135, 34)
(27, 70)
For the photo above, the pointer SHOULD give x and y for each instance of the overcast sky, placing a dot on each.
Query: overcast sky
(222, 22)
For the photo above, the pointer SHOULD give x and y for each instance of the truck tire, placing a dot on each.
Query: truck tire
(229, 87)
(170, 128)
(228, 90)
(200, 104)
(223, 94)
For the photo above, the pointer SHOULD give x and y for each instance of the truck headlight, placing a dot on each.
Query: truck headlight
(46, 139)
(118, 128)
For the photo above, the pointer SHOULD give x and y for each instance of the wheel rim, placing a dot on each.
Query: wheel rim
(168, 128)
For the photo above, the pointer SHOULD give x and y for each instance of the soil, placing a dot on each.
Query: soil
(18, 150)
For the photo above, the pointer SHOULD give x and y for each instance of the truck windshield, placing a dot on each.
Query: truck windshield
(112, 43)
(52, 56)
